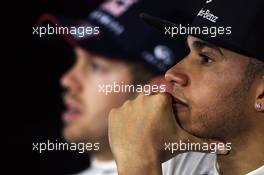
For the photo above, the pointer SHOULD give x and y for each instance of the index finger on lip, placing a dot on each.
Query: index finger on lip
(161, 81)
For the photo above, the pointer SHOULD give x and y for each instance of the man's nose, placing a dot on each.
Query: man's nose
(71, 81)
(177, 76)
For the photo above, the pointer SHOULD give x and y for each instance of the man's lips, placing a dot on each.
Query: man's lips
(70, 114)
(178, 103)
(72, 111)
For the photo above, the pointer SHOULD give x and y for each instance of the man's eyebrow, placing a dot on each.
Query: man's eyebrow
(202, 44)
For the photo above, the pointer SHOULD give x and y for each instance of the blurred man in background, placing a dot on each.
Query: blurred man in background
(125, 52)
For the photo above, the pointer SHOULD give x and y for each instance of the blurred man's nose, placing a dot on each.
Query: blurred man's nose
(177, 76)
(70, 80)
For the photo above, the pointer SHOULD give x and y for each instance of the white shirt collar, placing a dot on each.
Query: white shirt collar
(259, 171)
(103, 165)
(100, 168)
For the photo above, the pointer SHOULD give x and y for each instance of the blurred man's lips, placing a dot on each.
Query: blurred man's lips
(71, 113)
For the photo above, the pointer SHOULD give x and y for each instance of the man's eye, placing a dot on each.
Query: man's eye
(97, 67)
(205, 59)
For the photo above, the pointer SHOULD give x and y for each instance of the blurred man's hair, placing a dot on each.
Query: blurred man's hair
(255, 69)
(141, 72)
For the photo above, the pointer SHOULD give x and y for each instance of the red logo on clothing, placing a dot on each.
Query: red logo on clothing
(117, 7)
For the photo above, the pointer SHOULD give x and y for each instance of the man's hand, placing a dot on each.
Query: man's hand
(139, 130)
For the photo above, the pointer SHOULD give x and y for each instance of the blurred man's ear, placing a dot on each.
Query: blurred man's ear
(259, 102)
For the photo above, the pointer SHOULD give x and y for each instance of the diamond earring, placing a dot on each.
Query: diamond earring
(258, 106)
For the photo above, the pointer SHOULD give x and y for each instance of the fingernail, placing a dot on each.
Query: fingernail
(222, 149)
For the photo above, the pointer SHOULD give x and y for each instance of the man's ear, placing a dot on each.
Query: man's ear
(259, 102)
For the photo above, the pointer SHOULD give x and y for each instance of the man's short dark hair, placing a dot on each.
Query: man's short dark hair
(141, 72)
(255, 69)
